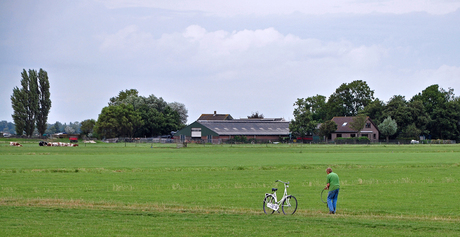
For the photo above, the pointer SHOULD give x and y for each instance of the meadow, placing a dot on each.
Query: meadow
(217, 190)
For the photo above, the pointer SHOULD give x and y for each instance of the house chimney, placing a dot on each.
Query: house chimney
(214, 113)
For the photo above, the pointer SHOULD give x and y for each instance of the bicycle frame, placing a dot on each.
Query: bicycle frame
(277, 205)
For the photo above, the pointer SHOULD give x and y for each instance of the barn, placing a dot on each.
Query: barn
(221, 131)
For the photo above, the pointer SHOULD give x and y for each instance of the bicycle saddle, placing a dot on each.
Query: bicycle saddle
(274, 189)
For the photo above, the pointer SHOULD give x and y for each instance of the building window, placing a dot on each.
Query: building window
(368, 125)
(364, 135)
(352, 135)
(209, 138)
(375, 136)
(196, 132)
(182, 137)
(339, 135)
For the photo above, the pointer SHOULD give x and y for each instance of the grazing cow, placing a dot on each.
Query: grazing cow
(43, 143)
(15, 144)
(60, 144)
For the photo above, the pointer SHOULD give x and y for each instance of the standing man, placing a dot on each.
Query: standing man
(333, 186)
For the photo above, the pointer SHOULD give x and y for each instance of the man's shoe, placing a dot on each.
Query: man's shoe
(331, 212)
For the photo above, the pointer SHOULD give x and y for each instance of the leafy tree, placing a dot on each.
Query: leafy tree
(123, 95)
(388, 127)
(375, 110)
(316, 104)
(419, 117)
(87, 126)
(50, 129)
(349, 99)
(69, 130)
(327, 128)
(117, 120)
(158, 116)
(58, 127)
(440, 105)
(158, 123)
(358, 123)
(397, 109)
(75, 126)
(256, 115)
(411, 131)
(181, 110)
(303, 125)
(44, 101)
(446, 121)
(433, 97)
(7, 127)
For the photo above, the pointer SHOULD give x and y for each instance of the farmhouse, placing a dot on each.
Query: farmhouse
(215, 130)
(344, 130)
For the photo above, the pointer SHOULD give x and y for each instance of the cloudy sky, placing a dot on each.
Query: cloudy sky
(235, 57)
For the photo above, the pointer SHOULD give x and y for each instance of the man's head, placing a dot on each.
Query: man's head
(328, 170)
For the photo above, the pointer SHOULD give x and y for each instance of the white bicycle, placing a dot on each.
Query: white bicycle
(288, 202)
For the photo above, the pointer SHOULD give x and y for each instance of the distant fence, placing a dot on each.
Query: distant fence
(139, 140)
(249, 141)
(337, 142)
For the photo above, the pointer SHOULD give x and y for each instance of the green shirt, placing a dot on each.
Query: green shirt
(333, 181)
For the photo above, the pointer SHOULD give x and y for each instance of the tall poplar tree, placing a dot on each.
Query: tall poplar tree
(44, 104)
(18, 101)
(30, 87)
(31, 103)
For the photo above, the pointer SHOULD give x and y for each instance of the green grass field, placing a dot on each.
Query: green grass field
(205, 190)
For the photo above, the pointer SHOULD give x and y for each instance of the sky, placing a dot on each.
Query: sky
(234, 57)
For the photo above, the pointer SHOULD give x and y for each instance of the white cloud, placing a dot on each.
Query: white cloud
(265, 47)
(128, 38)
(245, 54)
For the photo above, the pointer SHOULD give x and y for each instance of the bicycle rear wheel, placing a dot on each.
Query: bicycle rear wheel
(289, 205)
(268, 200)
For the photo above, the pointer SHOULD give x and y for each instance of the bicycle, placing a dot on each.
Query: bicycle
(288, 202)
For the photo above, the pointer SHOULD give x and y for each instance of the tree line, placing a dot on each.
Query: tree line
(434, 112)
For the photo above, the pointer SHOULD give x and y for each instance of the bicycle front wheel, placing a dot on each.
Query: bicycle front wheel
(289, 205)
(269, 200)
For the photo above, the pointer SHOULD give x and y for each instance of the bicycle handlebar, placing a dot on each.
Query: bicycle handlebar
(282, 181)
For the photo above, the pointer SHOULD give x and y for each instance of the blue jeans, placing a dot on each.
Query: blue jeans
(332, 200)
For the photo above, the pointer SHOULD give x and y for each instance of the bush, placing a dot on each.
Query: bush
(351, 140)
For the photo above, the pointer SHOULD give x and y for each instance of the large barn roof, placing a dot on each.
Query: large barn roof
(247, 127)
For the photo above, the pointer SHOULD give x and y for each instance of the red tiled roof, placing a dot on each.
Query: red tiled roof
(343, 124)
